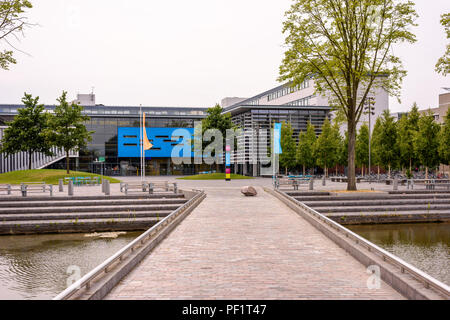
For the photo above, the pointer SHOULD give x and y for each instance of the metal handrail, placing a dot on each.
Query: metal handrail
(86, 280)
(421, 276)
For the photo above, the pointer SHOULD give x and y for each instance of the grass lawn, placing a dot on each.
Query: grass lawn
(215, 176)
(44, 175)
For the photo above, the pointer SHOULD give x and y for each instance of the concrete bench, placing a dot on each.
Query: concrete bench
(430, 184)
(136, 187)
(9, 188)
(296, 183)
(35, 187)
(165, 186)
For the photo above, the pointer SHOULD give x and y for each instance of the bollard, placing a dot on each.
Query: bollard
(324, 181)
(9, 189)
(395, 184)
(51, 190)
(175, 188)
(103, 186)
(70, 188)
(107, 188)
(61, 185)
(23, 188)
(150, 188)
(311, 185)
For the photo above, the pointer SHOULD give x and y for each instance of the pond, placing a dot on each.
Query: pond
(425, 246)
(40, 266)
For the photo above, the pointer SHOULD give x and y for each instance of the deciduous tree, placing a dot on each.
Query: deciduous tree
(26, 133)
(407, 129)
(288, 146)
(327, 147)
(362, 147)
(12, 24)
(305, 149)
(346, 47)
(444, 140)
(386, 139)
(426, 142)
(443, 65)
(67, 127)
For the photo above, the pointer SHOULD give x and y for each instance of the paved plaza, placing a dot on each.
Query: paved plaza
(232, 247)
(204, 184)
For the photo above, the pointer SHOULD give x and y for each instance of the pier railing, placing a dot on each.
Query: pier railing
(419, 275)
(87, 280)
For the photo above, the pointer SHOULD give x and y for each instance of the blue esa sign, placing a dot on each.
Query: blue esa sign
(164, 141)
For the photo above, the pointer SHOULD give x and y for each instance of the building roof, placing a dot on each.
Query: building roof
(243, 108)
(130, 111)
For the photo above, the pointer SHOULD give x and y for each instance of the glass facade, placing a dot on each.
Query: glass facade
(104, 123)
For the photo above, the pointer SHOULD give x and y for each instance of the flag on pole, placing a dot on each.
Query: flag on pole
(277, 139)
(147, 143)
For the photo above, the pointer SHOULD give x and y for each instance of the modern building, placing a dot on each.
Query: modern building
(296, 105)
(114, 148)
(440, 112)
(102, 154)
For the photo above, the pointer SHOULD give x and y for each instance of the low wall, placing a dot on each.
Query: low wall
(403, 282)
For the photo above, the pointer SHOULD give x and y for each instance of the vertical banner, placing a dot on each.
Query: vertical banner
(277, 139)
(228, 163)
(276, 149)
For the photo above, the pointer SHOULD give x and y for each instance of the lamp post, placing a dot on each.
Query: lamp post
(370, 110)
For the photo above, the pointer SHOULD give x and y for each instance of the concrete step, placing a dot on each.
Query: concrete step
(306, 194)
(80, 226)
(84, 216)
(353, 218)
(420, 192)
(390, 209)
(374, 197)
(391, 213)
(374, 203)
(32, 198)
(82, 209)
(85, 203)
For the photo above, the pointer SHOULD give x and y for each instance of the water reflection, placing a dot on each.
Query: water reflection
(35, 267)
(426, 246)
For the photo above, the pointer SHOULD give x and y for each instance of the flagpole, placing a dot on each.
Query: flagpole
(141, 139)
(143, 147)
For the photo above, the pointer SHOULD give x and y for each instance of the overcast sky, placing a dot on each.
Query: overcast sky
(182, 53)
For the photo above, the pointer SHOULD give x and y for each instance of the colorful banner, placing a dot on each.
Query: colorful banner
(277, 139)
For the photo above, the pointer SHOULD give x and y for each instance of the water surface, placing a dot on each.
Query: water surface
(425, 246)
(37, 267)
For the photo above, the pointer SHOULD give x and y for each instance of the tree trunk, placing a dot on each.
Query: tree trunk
(30, 156)
(378, 172)
(426, 172)
(389, 171)
(410, 165)
(304, 170)
(336, 170)
(351, 126)
(67, 162)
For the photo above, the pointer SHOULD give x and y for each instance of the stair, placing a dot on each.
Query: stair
(393, 207)
(85, 214)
